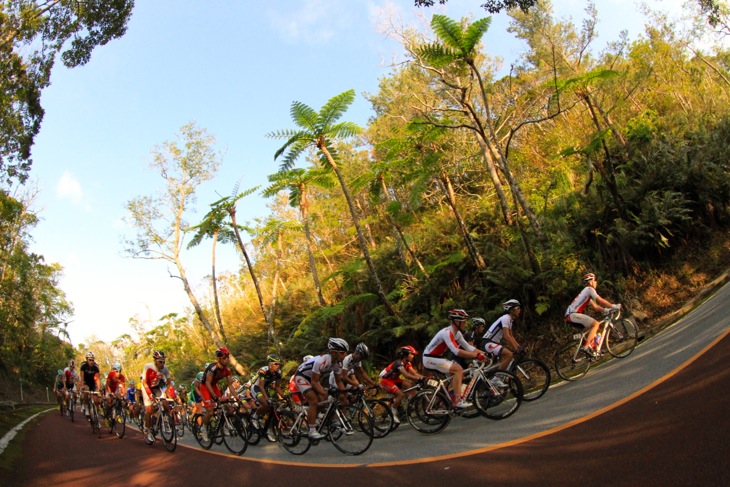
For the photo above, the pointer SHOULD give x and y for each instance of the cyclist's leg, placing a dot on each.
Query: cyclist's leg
(588, 322)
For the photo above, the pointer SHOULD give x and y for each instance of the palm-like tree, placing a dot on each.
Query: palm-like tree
(296, 181)
(320, 130)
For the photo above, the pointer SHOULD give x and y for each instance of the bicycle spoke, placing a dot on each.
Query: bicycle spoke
(234, 434)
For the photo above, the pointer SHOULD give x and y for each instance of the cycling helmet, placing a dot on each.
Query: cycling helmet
(406, 350)
(235, 378)
(479, 322)
(71, 363)
(131, 383)
(512, 303)
(159, 355)
(338, 344)
(457, 314)
(89, 355)
(59, 372)
(588, 278)
(307, 357)
(222, 352)
(362, 350)
(117, 367)
(199, 376)
(273, 358)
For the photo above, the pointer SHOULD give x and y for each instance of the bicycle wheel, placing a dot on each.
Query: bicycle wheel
(205, 443)
(293, 433)
(621, 338)
(571, 362)
(428, 411)
(216, 425)
(167, 431)
(71, 407)
(254, 435)
(382, 417)
(504, 402)
(234, 434)
(95, 424)
(179, 424)
(351, 429)
(119, 421)
(535, 377)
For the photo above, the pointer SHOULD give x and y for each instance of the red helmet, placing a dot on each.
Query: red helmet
(588, 278)
(222, 352)
(457, 314)
(407, 349)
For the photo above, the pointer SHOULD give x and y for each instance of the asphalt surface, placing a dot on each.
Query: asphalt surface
(657, 417)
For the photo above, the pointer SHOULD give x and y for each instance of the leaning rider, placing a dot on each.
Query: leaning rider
(267, 376)
(574, 314)
(209, 390)
(154, 376)
(502, 329)
(90, 382)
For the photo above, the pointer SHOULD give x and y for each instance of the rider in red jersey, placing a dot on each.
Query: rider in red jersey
(154, 376)
(214, 373)
(390, 377)
(574, 314)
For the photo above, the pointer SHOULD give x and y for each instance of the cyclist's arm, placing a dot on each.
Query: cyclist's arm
(209, 384)
(360, 373)
(509, 337)
(317, 386)
(410, 374)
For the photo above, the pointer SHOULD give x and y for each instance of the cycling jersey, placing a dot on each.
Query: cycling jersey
(58, 382)
(115, 380)
(320, 364)
(153, 377)
(217, 372)
(495, 332)
(581, 301)
(349, 366)
(267, 377)
(132, 394)
(446, 340)
(70, 377)
(393, 371)
(89, 373)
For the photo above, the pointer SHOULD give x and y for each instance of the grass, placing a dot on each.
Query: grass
(8, 420)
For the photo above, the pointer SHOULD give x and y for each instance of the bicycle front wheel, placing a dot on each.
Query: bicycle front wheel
(119, 421)
(571, 361)
(167, 431)
(293, 433)
(179, 424)
(535, 377)
(351, 430)
(621, 338)
(71, 408)
(197, 429)
(428, 411)
(382, 417)
(95, 424)
(234, 434)
(499, 401)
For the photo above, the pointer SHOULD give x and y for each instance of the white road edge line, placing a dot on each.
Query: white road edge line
(5, 440)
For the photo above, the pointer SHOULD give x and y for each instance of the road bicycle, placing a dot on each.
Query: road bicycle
(180, 415)
(92, 413)
(348, 427)
(617, 336)
(162, 423)
(403, 406)
(534, 375)
(116, 418)
(71, 407)
(225, 427)
(267, 426)
(379, 409)
(496, 395)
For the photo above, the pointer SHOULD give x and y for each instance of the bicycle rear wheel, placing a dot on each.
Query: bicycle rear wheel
(71, 407)
(293, 433)
(382, 417)
(95, 424)
(179, 424)
(234, 434)
(119, 420)
(535, 377)
(205, 443)
(428, 411)
(167, 431)
(572, 362)
(502, 404)
(351, 430)
(621, 338)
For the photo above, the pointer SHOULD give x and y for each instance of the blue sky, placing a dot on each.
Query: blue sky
(234, 68)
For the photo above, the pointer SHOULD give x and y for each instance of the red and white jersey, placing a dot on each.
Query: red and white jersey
(114, 380)
(447, 340)
(70, 376)
(151, 376)
(582, 300)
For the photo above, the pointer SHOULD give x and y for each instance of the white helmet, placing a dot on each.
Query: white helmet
(338, 344)
(512, 303)
(307, 357)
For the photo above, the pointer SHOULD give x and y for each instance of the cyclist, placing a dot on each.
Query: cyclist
(472, 337)
(58, 385)
(308, 375)
(89, 382)
(390, 377)
(502, 328)
(450, 338)
(574, 314)
(353, 372)
(154, 375)
(267, 376)
(70, 378)
(132, 403)
(115, 383)
(196, 397)
(214, 373)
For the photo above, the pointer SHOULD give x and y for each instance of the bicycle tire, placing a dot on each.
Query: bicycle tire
(293, 433)
(428, 411)
(179, 424)
(234, 434)
(505, 403)
(205, 445)
(71, 407)
(621, 338)
(167, 430)
(535, 377)
(351, 431)
(254, 435)
(383, 422)
(571, 362)
(119, 420)
(95, 425)
(217, 422)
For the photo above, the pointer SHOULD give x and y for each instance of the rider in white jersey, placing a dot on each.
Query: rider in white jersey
(307, 378)
(450, 338)
(502, 330)
(353, 373)
(574, 314)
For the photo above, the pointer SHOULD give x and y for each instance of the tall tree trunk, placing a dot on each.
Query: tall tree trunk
(471, 247)
(304, 211)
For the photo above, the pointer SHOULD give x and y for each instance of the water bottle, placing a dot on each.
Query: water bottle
(596, 341)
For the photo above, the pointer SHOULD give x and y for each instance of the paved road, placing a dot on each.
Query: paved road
(657, 417)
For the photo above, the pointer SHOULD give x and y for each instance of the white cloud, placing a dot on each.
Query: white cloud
(69, 187)
(315, 22)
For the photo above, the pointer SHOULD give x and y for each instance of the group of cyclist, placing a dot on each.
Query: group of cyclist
(335, 368)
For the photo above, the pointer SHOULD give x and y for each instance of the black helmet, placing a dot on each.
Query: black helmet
(362, 350)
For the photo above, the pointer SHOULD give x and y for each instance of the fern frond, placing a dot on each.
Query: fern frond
(448, 31)
(474, 34)
(437, 54)
(304, 116)
(335, 108)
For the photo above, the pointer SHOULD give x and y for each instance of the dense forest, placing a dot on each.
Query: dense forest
(466, 188)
